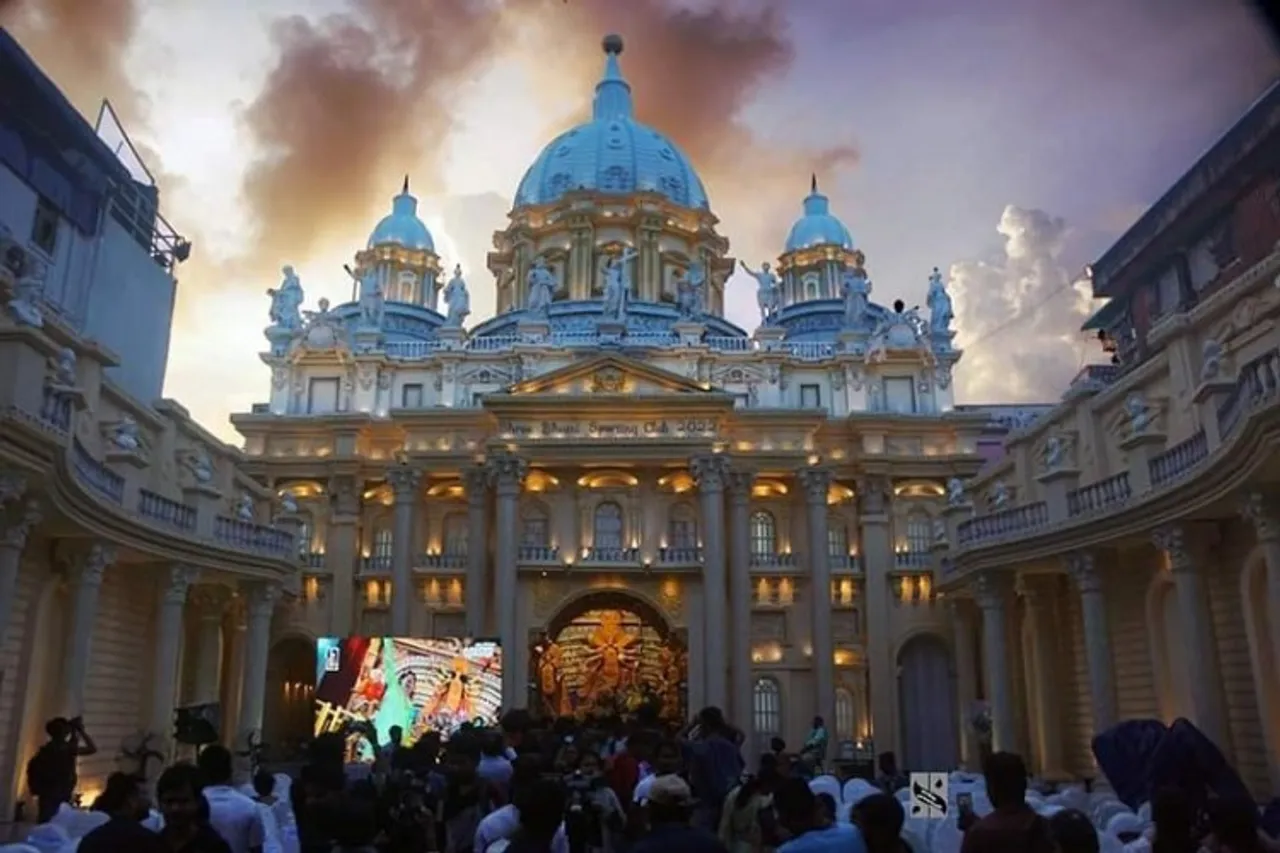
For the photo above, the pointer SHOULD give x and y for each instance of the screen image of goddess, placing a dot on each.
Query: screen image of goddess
(418, 685)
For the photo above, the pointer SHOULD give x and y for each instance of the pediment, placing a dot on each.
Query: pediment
(610, 376)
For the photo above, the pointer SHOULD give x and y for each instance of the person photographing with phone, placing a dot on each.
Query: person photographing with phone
(1013, 826)
(51, 772)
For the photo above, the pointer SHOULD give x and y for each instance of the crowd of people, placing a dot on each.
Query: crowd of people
(608, 786)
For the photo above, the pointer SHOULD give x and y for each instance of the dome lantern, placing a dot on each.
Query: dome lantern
(818, 250)
(613, 92)
(402, 254)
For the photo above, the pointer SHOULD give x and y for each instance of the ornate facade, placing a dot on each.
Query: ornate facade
(634, 495)
(1123, 560)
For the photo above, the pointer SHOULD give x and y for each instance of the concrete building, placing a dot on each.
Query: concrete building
(1122, 560)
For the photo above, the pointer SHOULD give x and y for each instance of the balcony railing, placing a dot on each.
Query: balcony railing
(543, 554)
(846, 563)
(248, 536)
(679, 556)
(1101, 496)
(1177, 462)
(56, 409)
(443, 561)
(773, 561)
(378, 564)
(611, 555)
(165, 511)
(97, 476)
(314, 560)
(1010, 522)
(1257, 381)
(913, 559)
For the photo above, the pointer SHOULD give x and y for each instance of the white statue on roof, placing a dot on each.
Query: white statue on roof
(457, 299)
(690, 292)
(857, 296)
(372, 300)
(768, 290)
(541, 284)
(286, 301)
(939, 301)
(617, 285)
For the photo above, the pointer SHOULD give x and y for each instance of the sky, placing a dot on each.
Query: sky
(1008, 142)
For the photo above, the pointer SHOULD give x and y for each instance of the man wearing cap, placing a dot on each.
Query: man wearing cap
(670, 807)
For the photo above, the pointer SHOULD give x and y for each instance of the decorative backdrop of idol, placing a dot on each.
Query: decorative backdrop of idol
(417, 685)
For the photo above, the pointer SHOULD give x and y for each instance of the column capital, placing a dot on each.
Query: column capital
(89, 565)
(404, 480)
(1262, 510)
(710, 471)
(739, 482)
(874, 495)
(507, 471)
(991, 590)
(1174, 541)
(18, 523)
(344, 495)
(816, 483)
(261, 600)
(178, 582)
(1083, 568)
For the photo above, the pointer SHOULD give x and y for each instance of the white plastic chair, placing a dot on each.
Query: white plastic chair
(1104, 813)
(18, 848)
(855, 791)
(947, 837)
(829, 785)
(77, 823)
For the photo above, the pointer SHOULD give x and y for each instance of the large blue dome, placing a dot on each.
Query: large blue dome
(817, 227)
(612, 153)
(402, 227)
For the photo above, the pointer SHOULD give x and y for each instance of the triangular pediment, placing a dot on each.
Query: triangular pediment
(608, 375)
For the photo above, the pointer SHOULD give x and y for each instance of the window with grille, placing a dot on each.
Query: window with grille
(766, 706)
(764, 534)
(837, 540)
(682, 527)
(455, 535)
(919, 532)
(607, 530)
(535, 532)
(844, 714)
(382, 543)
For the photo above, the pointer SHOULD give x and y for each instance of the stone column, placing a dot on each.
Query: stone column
(992, 594)
(1047, 729)
(1197, 631)
(477, 588)
(710, 471)
(739, 484)
(85, 581)
(1097, 639)
(234, 629)
(877, 564)
(966, 682)
(404, 482)
(20, 516)
(507, 473)
(168, 643)
(209, 604)
(816, 483)
(260, 606)
(1263, 511)
(342, 551)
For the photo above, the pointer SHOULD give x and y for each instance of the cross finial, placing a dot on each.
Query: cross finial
(813, 183)
(405, 189)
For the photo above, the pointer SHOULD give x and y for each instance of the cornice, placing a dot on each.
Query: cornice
(1214, 479)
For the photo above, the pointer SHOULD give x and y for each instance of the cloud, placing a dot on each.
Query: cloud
(1018, 316)
(352, 101)
(469, 222)
(82, 45)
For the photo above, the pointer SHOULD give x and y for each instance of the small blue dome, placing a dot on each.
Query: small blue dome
(612, 153)
(402, 227)
(818, 227)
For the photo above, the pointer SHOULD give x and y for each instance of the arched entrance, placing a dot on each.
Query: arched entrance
(291, 679)
(927, 703)
(609, 652)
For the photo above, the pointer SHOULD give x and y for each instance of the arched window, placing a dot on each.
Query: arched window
(455, 535)
(919, 531)
(382, 543)
(766, 706)
(607, 530)
(837, 540)
(535, 528)
(682, 527)
(844, 714)
(764, 534)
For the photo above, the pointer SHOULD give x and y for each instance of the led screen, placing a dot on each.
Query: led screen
(417, 684)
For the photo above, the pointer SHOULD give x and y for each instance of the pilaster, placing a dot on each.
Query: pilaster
(341, 548)
(874, 495)
(507, 472)
(1039, 594)
(174, 586)
(19, 515)
(85, 580)
(966, 681)
(991, 591)
(404, 482)
(1083, 569)
(739, 485)
(260, 603)
(710, 471)
(816, 483)
(476, 481)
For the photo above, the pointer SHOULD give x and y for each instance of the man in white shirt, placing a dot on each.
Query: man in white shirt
(501, 824)
(233, 815)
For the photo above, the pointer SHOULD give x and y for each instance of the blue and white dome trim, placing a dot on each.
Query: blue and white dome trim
(613, 153)
(818, 227)
(402, 227)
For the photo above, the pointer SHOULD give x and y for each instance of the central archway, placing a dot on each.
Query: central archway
(288, 713)
(606, 652)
